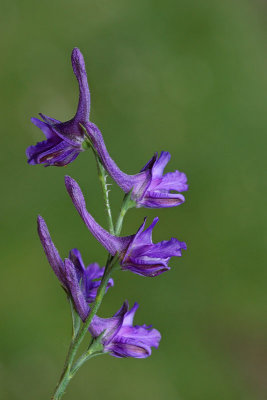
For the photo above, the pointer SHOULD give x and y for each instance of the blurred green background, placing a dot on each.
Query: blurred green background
(183, 76)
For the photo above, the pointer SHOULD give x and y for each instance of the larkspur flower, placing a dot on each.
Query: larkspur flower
(150, 188)
(65, 140)
(121, 338)
(81, 283)
(137, 253)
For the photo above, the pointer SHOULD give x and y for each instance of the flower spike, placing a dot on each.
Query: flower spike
(86, 286)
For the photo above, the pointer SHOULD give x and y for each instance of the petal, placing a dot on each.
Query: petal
(50, 250)
(160, 164)
(150, 163)
(141, 183)
(90, 291)
(76, 258)
(146, 266)
(34, 153)
(141, 334)
(45, 128)
(90, 295)
(173, 181)
(146, 236)
(129, 316)
(141, 238)
(162, 250)
(111, 326)
(66, 156)
(128, 348)
(81, 306)
(89, 286)
(161, 200)
(94, 271)
(134, 241)
(49, 120)
(53, 151)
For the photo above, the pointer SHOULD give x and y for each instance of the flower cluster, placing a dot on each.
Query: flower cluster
(149, 188)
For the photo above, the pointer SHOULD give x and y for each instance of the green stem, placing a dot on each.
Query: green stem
(103, 179)
(82, 360)
(120, 221)
(126, 205)
(95, 349)
(64, 378)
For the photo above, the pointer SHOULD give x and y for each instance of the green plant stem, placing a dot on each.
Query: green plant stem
(93, 351)
(103, 180)
(126, 205)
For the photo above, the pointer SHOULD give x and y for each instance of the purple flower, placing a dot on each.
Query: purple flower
(121, 338)
(137, 253)
(150, 188)
(64, 139)
(81, 283)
